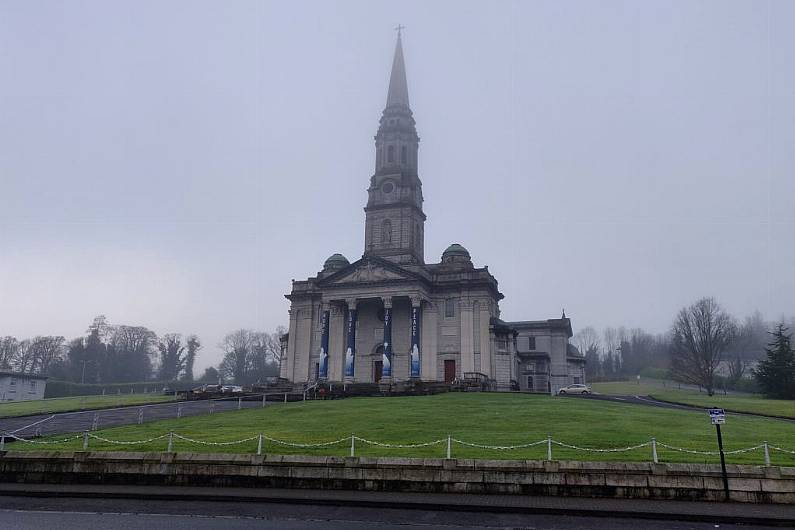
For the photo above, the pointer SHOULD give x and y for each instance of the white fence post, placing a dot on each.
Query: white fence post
(549, 448)
(179, 410)
(212, 407)
(239, 403)
(654, 450)
(140, 416)
(353, 443)
(2, 443)
(85, 440)
(449, 442)
(259, 444)
(285, 397)
(263, 399)
(170, 441)
(95, 422)
(767, 454)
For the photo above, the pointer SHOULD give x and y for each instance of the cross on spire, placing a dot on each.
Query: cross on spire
(399, 29)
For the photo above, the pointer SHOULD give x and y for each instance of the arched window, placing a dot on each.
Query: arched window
(404, 155)
(390, 154)
(386, 231)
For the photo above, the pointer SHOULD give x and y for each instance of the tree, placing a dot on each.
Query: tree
(587, 341)
(24, 358)
(776, 373)
(45, 350)
(172, 356)
(237, 347)
(8, 351)
(128, 354)
(265, 354)
(194, 345)
(701, 335)
(210, 375)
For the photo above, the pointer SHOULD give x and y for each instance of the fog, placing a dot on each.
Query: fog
(175, 164)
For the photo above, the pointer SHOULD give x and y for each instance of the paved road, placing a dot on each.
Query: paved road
(651, 402)
(70, 422)
(69, 513)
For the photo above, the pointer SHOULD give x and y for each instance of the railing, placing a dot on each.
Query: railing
(449, 442)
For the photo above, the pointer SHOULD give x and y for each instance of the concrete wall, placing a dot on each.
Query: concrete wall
(522, 477)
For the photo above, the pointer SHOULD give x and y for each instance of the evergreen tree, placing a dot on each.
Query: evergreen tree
(776, 373)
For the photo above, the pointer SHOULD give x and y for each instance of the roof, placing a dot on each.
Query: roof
(23, 374)
(398, 94)
(563, 324)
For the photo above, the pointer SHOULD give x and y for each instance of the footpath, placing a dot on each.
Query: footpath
(711, 512)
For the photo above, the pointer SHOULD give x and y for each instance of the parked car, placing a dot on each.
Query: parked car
(232, 389)
(574, 389)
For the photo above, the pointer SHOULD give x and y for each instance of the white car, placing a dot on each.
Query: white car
(574, 389)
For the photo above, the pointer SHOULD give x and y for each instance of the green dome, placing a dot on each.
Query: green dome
(455, 250)
(336, 261)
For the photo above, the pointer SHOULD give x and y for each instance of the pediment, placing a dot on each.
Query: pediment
(369, 271)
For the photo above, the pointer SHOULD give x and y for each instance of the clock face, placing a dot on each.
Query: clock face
(387, 187)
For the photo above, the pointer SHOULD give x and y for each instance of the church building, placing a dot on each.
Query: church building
(390, 317)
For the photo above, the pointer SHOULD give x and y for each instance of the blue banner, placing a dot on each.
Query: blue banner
(323, 371)
(350, 352)
(387, 358)
(415, 341)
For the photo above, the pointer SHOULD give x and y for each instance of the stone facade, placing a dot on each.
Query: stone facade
(390, 316)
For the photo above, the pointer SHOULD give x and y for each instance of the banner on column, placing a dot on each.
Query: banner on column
(386, 371)
(350, 352)
(415, 341)
(323, 371)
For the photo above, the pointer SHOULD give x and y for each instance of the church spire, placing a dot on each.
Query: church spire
(398, 86)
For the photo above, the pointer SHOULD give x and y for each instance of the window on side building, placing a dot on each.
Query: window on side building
(531, 343)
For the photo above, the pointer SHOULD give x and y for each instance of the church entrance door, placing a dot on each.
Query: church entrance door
(378, 369)
(449, 371)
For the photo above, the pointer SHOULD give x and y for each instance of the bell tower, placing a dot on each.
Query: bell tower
(394, 220)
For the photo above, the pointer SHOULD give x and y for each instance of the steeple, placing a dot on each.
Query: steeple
(394, 223)
(398, 94)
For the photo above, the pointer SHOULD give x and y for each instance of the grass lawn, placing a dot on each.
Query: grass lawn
(41, 406)
(488, 419)
(755, 403)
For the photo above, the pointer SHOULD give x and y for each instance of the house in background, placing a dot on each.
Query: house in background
(17, 386)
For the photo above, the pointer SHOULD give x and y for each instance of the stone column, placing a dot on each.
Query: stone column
(386, 359)
(415, 355)
(350, 350)
(430, 342)
(336, 342)
(324, 341)
(467, 337)
(288, 366)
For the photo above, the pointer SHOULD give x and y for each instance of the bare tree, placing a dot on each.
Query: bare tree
(8, 351)
(702, 333)
(237, 347)
(24, 358)
(737, 366)
(44, 351)
(586, 340)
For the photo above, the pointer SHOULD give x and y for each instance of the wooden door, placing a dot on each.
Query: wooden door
(449, 371)
(378, 369)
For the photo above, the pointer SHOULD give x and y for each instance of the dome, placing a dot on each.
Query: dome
(456, 254)
(456, 250)
(336, 262)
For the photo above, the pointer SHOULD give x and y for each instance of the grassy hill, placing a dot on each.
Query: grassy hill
(741, 402)
(488, 419)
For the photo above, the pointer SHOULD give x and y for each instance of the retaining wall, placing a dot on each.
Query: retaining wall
(756, 484)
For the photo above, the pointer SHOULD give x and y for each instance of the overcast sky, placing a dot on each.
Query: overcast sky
(175, 164)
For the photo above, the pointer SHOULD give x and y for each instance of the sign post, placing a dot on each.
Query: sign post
(718, 417)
